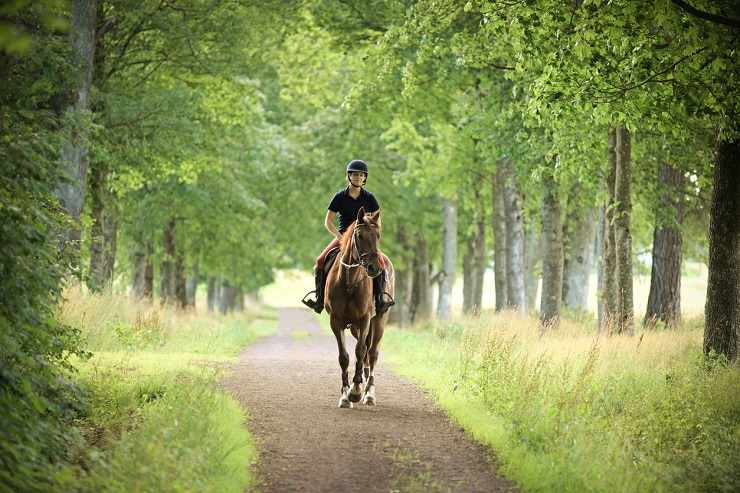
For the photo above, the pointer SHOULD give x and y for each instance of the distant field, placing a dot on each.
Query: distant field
(290, 286)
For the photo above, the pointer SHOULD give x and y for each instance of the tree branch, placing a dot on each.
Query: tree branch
(717, 19)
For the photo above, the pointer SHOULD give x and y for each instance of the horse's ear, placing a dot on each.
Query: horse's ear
(361, 215)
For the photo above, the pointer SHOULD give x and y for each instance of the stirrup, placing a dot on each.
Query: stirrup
(309, 303)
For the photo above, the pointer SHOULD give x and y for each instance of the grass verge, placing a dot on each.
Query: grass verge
(155, 418)
(574, 412)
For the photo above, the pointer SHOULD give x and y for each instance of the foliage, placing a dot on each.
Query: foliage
(155, 421)
(570, 413)
(37, 398)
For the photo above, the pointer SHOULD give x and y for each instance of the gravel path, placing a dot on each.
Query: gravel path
(289, 384)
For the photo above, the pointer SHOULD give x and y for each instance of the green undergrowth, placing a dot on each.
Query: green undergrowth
(155, 418)
(571, 411)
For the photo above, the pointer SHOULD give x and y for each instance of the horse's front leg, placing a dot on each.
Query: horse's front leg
(373, 351)
(355, 394)
(343, 362)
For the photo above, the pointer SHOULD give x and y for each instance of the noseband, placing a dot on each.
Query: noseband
(362, 256)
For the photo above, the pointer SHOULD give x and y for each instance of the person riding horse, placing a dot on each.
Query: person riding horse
(347, 203)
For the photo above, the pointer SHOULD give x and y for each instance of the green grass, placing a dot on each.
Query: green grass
(573, 412)
(156, 419)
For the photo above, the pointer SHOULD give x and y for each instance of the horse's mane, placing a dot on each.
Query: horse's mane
(347, 236)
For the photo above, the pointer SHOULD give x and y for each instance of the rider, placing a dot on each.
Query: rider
(347, 204)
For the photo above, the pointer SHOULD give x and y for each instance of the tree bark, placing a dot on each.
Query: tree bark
(722, 309)
(421, 298)
(167, 264)
(532, 258)
(479, 258)
(449, 259)
(468, 275)
(499, 239)
(143, 282)
(103, 231)
(664, 300)
(610, 295)
(74, 155)
(578, 248)
(401, 313)
(599, 254)
(192, 285)
(212, 293)
(515, 294)
(179, 280)
(552, 263)
(622, 220)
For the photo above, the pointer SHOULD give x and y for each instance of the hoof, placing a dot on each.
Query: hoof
(368, 400)
(344, 403)
(355, 397)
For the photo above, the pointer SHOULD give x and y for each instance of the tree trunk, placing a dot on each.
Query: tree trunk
(421, 298)
(664, 300)
(167, 264)
(74, 155)
(238, 299)
(578, 248)
(499, 239)
(468, 275)
(401, 313)
(212, 293)
(192, 285)
(142, 286)
(610, 295)
(722, 309)
(552, 263)
(103, 231)
(479, 258)
(532, 258)
(515, 294)
(449, 259)
(622, 194)
(225, 296)
(179, 279)
(599, 254)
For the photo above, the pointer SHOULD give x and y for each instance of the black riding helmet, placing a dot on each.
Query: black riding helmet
(357, 165)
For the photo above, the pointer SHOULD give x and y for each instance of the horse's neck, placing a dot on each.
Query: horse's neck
(349, 275)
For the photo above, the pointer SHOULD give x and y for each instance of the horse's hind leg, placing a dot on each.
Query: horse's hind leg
(343, 364)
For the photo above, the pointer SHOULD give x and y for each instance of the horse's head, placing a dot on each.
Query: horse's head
(367, 236)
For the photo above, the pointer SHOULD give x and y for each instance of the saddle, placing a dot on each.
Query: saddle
(329, 259)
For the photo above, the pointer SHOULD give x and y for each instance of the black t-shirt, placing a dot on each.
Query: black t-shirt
(347, 207)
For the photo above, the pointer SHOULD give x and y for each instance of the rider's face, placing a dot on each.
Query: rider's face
(357, 178)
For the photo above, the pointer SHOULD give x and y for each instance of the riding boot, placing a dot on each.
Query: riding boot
(381, 303)
(318, 304)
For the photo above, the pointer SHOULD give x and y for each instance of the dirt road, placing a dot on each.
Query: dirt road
(289, 384)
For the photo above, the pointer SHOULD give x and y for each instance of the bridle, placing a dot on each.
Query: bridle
(363, 257)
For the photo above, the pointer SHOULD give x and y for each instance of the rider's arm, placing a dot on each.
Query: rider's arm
(329, 224)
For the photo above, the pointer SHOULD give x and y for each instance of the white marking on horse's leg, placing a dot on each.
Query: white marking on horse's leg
(369, 398)
(344, 401)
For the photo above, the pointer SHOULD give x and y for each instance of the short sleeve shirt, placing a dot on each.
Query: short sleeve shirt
(348, 207)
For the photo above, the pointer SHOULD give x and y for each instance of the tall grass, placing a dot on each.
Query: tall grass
(155, 419)
(572, 411)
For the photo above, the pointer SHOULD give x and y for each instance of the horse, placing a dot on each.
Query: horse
(349, 303)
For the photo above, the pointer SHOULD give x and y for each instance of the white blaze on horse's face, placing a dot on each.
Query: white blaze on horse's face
(367, 235)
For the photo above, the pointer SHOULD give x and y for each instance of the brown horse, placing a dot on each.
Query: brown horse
(349, 303)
